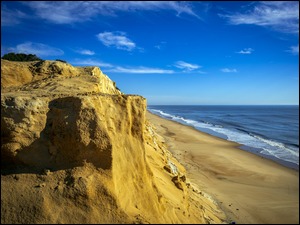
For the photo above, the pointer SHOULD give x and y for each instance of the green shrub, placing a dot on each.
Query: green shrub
(21, 57)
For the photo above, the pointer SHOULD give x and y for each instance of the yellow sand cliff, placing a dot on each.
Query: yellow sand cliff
(74, 149)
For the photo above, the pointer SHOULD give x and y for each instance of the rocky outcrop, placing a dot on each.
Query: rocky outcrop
(54, 77)
(74, 149)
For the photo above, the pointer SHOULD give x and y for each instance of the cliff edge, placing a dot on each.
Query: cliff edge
(75, 149)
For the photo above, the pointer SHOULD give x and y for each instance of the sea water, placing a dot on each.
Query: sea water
(269, 131)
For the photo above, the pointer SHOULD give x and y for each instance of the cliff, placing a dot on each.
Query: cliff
(74, 149)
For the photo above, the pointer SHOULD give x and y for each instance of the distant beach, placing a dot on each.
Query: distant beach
(249, 188)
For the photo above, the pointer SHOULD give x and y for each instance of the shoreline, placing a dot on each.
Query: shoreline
(287, 164)
(247, 187)
(243, 147)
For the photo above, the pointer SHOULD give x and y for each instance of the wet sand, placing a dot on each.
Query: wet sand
(247, 187)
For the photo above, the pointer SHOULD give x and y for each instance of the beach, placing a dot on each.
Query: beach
(247, 187)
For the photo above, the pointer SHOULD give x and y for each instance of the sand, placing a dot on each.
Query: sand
(247, 187)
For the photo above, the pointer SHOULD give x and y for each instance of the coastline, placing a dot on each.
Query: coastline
(247, 187)
(251, 140)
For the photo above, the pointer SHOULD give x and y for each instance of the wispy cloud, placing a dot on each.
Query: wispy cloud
(157, 47)
(116, 39)
(85, 52)
(227, 70)
(62, 12)
(186, 66)
(282, 16)
(38, 49)
(246, 51)
(65, 12)
(91, 62)
(294, 50)
(161, 45)
(11, 17)
(120, 69)
(141, 70)
(108, 67)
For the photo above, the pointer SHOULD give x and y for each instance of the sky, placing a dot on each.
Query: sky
(170, 52)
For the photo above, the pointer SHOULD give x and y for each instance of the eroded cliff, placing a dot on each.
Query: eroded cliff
(74, 149)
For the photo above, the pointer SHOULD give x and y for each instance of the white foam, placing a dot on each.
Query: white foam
(268, 147)
(278, 145)
(161, 112)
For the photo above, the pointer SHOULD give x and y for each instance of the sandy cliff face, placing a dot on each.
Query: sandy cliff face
(74, 149)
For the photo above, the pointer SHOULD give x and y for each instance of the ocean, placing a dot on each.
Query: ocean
(268, 131)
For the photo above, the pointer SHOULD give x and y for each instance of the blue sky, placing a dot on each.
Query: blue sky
(204, 53)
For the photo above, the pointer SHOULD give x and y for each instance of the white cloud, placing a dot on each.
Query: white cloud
(140, 69)
(37, 49)
(85, 52)
(116, 39)
(186, 66)
(226, 70)
(246, 51)
(294, 50)
(281, 16)
(91, 62)
(65, 12)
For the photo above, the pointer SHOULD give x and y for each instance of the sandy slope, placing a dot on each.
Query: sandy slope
(250, 189)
